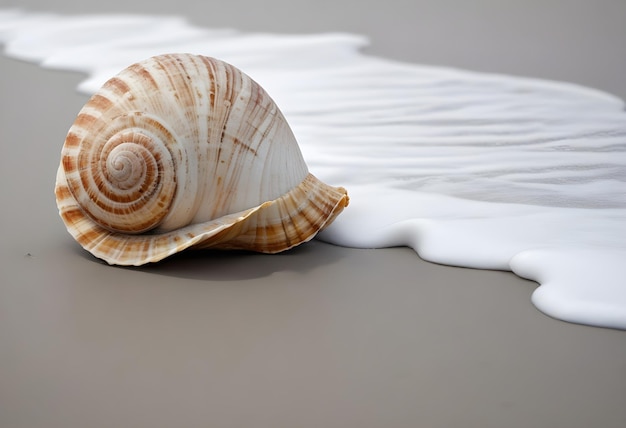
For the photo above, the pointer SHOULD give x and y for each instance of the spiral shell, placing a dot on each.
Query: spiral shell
(185, 151)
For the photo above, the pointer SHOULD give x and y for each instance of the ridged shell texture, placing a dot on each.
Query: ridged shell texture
(183, 151)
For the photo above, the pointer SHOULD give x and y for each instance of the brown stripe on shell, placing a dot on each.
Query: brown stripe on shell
(145, 75)
(86, 121)
(69, 164)
(72, 140)
(117, 85)
(100, 102)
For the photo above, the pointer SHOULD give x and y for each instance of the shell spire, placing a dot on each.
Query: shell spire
(185, 151)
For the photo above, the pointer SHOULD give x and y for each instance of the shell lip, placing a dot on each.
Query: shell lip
(271, 227)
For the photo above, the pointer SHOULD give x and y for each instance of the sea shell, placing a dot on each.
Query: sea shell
(184, 151)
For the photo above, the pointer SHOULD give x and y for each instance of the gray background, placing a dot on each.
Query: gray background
(573, 40)
(320, 336)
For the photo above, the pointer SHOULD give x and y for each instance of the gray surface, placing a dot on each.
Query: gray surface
(573, 40)
(320, 336)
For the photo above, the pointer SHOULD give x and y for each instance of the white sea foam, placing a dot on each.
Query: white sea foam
(469, 169)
